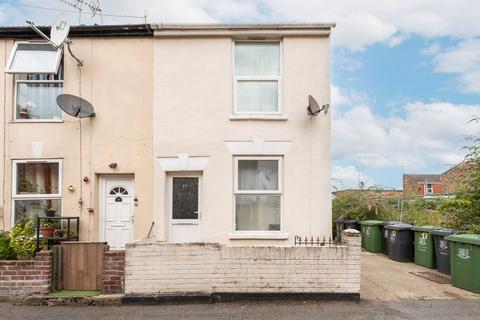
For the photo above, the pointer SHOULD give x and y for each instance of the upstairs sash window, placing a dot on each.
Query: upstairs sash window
(257, 78)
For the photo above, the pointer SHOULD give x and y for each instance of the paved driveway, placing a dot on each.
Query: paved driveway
(385, 279)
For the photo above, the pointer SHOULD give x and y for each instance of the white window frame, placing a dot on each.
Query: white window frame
(15, 119)
(8, 67)
(50, 196)
(264, 234)
(278, 78)
(427, 188)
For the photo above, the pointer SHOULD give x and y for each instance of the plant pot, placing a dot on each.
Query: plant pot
(47, 232)
(50, 213)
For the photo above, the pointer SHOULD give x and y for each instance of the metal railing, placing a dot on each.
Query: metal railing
(314, 242)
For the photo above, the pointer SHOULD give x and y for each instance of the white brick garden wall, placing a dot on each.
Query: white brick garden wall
(161, 268)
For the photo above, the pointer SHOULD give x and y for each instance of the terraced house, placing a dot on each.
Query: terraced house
(200, 134)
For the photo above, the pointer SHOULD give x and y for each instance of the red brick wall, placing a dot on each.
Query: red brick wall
(453, 178)
(410, 186)
(22, 277)
(113, 272)
(437, 188)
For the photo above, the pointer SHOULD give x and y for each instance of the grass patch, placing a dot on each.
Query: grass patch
(71, 293)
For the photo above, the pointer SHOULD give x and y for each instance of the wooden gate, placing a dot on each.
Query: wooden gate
(82, 264)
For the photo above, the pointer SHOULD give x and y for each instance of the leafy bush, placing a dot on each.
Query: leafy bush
(423, 211)
(463, 212)
(23, 239)
(6, 250)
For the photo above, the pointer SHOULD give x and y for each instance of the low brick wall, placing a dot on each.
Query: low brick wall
(161, 268)
(113, 272)
(23, 277)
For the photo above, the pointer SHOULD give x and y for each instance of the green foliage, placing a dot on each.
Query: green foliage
(351, 205)
(463, 211)
(50, 223)
(23, 239)
(358, 205)
(6, 250)
(424, 211)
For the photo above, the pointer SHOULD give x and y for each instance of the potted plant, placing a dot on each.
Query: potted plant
(26, 186)
(47, 227)
(50, 212)
(23, 240)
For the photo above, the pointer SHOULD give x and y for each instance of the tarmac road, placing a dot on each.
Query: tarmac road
(451, 309)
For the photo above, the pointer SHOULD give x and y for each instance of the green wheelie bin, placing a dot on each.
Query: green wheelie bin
(465, 261)
(425, 246)
(372, 235)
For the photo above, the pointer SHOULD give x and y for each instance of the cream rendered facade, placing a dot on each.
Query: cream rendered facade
(165, 108)
(121, 132)
(197, 131)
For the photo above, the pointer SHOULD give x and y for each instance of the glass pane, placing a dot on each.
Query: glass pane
(257, 59)
(30, 209)
(257, 213)
(185, 198)
(37, 178)
(35, 58)
(257, 174)
(38, 100)
(257, 96)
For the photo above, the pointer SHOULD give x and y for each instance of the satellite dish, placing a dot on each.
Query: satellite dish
(314, 108)
(59, 31)
(75, 106)
(58, 35)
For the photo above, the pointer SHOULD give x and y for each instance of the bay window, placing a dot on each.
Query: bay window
(258, 193)
(257, 78)
(36, 188)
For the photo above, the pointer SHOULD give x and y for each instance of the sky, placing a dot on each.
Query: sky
(405, 74)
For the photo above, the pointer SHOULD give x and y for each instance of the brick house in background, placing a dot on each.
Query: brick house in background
(453, 177)
(422, 184)
(435, 184)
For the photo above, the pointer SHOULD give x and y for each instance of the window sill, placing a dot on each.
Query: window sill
(36, 121)
(258, 236)
(266, 117)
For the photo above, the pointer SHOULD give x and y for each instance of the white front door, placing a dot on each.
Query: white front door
(184, 208)
(117, 211)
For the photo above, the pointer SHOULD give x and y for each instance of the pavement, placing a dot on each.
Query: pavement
(386, 280)
(389, 290)
(450, 309)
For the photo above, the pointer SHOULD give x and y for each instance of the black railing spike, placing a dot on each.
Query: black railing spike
(314, 241)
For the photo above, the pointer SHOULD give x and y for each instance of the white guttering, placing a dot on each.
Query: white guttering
(241, 30)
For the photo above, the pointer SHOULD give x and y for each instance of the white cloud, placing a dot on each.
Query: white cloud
(344, 97)
(339, 97)
(425, 135)
(462, 60)
(344, 177)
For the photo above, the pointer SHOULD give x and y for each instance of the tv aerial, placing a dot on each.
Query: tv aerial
(314, 108)
(58, 35)
(75, 106)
